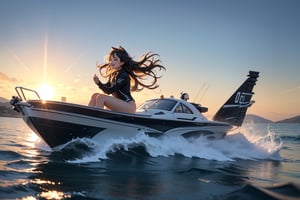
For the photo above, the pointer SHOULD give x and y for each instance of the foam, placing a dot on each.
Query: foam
(243, 144)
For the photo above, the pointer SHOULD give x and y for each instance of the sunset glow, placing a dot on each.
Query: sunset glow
(207, 50)
(46, 92)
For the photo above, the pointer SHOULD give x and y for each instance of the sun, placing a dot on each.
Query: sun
(46, 92)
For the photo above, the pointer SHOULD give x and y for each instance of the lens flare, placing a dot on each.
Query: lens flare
(46, 92)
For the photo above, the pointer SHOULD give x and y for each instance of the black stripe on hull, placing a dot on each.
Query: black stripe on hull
(56, 133)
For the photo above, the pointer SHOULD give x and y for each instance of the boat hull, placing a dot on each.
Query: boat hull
(58, 123)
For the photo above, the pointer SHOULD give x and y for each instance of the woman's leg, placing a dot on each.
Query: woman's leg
(93, 100)
(115, 104)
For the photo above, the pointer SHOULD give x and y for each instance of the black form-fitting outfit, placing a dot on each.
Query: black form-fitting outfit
(118, 85)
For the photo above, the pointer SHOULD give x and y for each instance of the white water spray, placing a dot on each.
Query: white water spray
(248, 145)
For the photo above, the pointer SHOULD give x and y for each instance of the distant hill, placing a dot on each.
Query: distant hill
(3, 100)
(6, 111)
(256, 119)
(290, 120)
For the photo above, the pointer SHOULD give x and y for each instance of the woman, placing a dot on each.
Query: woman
(121, 70)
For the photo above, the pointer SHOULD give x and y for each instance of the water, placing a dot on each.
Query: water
(244, 165)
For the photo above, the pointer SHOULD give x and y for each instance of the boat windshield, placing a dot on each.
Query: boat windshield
(160, 104)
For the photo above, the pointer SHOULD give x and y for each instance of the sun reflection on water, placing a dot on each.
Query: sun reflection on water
(47, 194)
(54, 195)
(32, 138)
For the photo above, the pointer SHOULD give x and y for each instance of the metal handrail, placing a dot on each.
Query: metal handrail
(21, 94)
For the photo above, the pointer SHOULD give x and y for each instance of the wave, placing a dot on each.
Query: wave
(293, 138)
(10, 155)
(287, 191)
(231, 148)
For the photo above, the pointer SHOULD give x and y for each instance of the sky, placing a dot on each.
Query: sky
(207, 47)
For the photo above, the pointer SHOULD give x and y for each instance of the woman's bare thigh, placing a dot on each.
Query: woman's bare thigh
(119, 105)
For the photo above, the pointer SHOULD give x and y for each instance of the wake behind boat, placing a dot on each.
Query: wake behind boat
(59, 122)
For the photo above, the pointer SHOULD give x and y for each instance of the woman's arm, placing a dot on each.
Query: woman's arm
(108, 88)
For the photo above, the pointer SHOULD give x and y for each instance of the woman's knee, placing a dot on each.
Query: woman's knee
(95, 96)
(100, 97)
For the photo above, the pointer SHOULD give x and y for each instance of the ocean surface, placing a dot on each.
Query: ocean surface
(257, 161)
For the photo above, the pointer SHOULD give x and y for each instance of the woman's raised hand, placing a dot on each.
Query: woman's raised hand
(96, 79)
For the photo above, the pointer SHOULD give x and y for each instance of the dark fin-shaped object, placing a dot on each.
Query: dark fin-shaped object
(235, 108)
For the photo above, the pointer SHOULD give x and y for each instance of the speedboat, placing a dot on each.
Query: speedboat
(58, 123)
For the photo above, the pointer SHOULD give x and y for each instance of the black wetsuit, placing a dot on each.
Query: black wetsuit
(118, 85)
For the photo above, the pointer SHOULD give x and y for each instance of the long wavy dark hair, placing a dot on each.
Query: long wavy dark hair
(139, 71)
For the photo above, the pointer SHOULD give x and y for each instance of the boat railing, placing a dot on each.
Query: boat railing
(22, 90)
